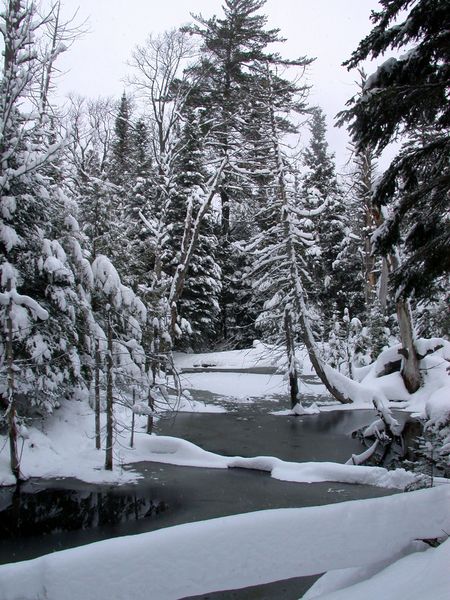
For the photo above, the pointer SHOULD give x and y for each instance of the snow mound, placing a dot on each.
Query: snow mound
(176, 451)
(437, 407)
(300, 410)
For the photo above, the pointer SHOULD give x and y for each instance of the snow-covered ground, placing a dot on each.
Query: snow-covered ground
(259, 356)
(371, 547)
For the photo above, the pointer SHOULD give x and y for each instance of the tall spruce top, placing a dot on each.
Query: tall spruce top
(237, 39)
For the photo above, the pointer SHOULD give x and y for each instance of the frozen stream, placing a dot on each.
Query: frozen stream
(169, 495)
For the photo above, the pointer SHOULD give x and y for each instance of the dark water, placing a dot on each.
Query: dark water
(253, 432)
(45, 516)
(31, 510)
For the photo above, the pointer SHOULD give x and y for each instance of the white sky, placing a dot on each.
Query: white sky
(326, 29)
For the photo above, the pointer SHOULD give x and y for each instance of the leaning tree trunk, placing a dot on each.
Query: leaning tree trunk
(189, 244)
(316, 361)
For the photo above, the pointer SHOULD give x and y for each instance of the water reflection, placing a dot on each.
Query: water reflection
(32, 513)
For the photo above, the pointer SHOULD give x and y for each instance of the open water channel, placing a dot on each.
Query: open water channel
(48, 515)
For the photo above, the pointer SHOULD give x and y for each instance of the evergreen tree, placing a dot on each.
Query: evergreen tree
(233, 49)
(129, 169)
(333, 266)
(138, 239)
(319, 162)
(198, 305)
(121, 144)
(407, 96)
(121, 315)
(374, 332)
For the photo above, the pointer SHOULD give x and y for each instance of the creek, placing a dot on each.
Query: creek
(49, 515)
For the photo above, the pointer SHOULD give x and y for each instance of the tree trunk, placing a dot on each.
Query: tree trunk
(11, 410)
(383, 285)
(410, 371)
(410, 364)
(317, 364)
(369, 259)
(132, 420)
(292, 368)
(109, 399)
(97, 395)
(151, 405)
(225, 202)
(156, 351)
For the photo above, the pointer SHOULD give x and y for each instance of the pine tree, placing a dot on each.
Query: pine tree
(138, 241)
(233, 47)
(121, 315)
(374, 332)
(121, 145)
(129, 169)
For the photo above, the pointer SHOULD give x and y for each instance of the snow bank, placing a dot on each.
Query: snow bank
(417, 576)
(236, 386)
(437, 407)
(435, 355)
(260, 355)
(64, 445)
(249, 549)
(176, 451)
(67, 449)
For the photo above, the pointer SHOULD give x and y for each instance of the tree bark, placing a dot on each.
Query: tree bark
(410, 371)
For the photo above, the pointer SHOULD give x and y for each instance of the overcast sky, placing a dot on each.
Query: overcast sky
(328, 30)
